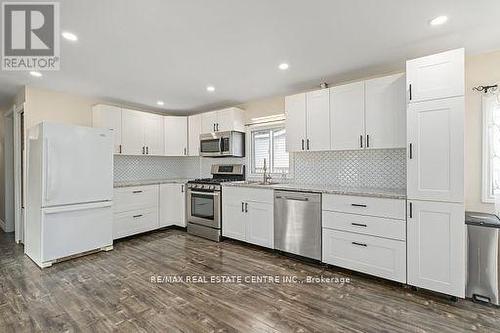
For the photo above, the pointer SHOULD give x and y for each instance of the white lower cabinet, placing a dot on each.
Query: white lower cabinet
(436, 246)
(135, 210)
(248, 215)
(172, 205)
(378, 256)
(365, 234)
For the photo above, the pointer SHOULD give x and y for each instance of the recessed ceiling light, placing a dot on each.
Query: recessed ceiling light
(160, 103)
(35, 74)
(439, 20)
(211, 88)
(69, 36)
(283, 66)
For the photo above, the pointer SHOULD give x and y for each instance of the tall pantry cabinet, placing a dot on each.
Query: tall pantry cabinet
(436, 246)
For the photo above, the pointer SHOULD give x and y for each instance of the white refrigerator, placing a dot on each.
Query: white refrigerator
(69, 191)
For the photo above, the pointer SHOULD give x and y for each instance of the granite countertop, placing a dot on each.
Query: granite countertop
(128, 183)
(328, 189)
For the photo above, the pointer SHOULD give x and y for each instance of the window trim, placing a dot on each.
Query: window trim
(249, 149)
(487, 179)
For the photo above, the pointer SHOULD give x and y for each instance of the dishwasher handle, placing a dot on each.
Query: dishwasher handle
(291, 198)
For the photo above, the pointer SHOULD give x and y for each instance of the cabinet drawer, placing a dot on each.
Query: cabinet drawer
(238, 194)
(391, 208)
(368, 225)
(132, 198)
(134, 222)
(381, 257)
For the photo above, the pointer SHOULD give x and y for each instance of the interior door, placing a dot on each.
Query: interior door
(318, 120)
(385, 112)
(110, 117)
(347, 114)
(208, 122)
(295, 122)
(78, 164)
(194, 131)
(153, 134)
(436, 246)
(132, 132)
(436, 76)
(436, 150)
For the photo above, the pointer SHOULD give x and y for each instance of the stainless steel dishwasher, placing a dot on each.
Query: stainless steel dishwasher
(297, 223)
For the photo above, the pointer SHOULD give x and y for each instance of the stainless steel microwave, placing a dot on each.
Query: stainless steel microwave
(222, 144)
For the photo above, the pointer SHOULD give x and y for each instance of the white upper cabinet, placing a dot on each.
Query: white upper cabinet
(133, 132)
(110, 117)
(318, 120)
(209, 122)
(436, 246)
(172, 205)
(231, 119)
(347, 116)
(436, 76)
(295, 110)
(194, 131)
(176, 136)
(153, 133)
(435, 159)
(385, 112)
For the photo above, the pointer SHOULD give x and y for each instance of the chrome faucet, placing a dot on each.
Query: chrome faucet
(266, 176)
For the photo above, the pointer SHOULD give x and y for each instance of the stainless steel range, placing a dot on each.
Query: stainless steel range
(204, 204)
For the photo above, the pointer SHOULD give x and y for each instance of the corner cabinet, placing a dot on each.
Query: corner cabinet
(133, 132)
(194, 131)
(436, 246)
(153, 133)
(248, 215)
(172, 205)
(176, 136)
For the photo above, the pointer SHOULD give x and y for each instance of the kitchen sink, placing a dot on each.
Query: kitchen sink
(257, 182)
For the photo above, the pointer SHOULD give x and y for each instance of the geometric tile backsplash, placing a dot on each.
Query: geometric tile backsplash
(380, 168)
(383, 168)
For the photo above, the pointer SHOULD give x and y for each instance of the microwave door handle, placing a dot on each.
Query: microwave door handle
(221, 145)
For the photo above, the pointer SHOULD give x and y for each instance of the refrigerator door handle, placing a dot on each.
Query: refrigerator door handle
(71, 208)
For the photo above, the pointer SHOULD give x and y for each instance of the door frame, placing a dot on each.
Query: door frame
(19, 218)
(9, 170)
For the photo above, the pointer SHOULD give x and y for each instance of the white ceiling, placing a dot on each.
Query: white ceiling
(138, 52)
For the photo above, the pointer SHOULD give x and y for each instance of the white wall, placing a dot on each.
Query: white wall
(481, 69)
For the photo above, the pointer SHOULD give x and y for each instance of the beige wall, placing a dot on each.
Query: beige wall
(263, 108)
(2, 165)
(481, 69)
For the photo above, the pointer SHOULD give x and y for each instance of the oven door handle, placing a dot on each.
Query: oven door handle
(213, 194)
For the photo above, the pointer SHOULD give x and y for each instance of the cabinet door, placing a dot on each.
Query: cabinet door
(234, 219)
(132, 132)
(194, 131)
(175, 136)
(153, 134)
(172, 205)
(260, 224)
(318, 120)
(385, 112)
(347, 114)
(436, 246)
(436, 156)
(231, 119)
(110, 117)
(436, 76)
(295, 109)
(208, 122)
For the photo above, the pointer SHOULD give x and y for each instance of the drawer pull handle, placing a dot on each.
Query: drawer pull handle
(137, 216)
(359, 224)
(136, 191)
(358, 205)
(358, 244)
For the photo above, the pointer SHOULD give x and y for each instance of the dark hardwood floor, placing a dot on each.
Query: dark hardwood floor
(113, 291)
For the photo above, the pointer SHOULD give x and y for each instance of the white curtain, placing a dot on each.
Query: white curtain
(491, 112)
